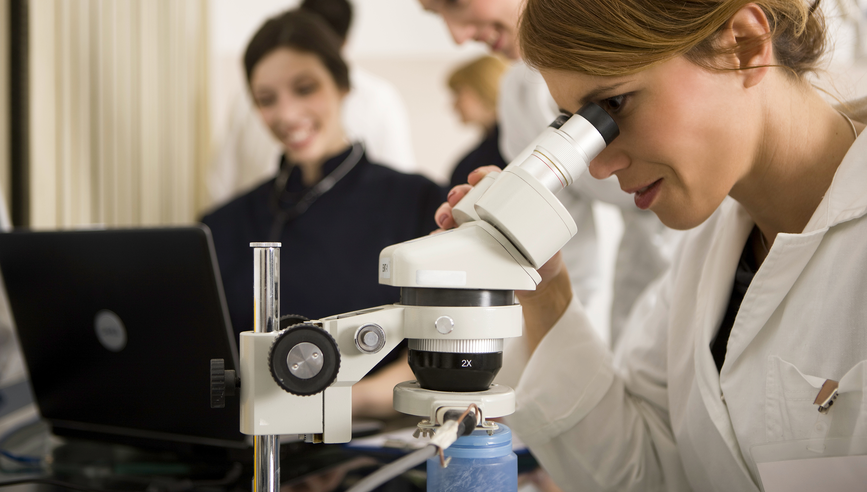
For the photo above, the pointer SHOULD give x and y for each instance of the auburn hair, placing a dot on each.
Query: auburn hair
(622, 37)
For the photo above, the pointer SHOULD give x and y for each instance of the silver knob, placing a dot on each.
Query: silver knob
(305, 360)
(444, 325)
(370, 338)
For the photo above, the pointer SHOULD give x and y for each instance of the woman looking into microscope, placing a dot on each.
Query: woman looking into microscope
(728, 374)
(332, 209)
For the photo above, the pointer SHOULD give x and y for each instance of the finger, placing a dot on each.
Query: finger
(480, 173)
(457, 193)
(444, 217)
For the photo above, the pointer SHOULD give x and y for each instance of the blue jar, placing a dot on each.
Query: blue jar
(480, 463)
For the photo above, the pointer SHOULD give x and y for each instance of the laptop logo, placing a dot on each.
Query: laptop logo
(110, 330)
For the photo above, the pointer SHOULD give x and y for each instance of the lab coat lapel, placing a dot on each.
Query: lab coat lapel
(790, 253)
(713, 294)
(782, 267)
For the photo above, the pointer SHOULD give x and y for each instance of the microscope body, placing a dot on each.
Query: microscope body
(461, 265)
(457, 304)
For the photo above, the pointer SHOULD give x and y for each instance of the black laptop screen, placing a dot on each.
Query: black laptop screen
(117, 328)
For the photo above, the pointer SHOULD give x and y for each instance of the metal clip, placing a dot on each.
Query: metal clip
(827, 395)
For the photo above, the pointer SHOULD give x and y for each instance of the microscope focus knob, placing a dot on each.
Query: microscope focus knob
(224, 382)
(304, 359)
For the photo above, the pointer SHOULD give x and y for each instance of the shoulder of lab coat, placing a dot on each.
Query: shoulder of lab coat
(845, 199)
(374, 114)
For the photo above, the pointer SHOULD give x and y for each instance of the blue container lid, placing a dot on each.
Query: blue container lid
(480, 444)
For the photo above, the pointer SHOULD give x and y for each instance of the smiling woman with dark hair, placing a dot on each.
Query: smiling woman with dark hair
(332, 209)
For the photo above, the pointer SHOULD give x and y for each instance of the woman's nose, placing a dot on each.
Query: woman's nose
(287, 110)
(461, 31)
(608, 162)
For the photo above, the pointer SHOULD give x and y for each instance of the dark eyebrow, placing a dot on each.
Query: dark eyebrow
(595, 93)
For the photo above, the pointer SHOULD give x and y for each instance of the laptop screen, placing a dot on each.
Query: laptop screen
(117, 328)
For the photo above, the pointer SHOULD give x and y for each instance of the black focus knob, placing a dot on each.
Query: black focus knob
(288, 320)
(304, 360)
(223, 383)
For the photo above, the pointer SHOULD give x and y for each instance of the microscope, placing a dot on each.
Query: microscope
(457, 306)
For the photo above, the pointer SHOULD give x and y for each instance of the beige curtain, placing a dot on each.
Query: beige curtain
(4, 101)
(118, 99)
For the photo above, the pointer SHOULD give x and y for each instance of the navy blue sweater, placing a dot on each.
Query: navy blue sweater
(330, 253)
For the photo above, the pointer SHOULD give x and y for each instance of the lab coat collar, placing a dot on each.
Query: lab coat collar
(845, 199)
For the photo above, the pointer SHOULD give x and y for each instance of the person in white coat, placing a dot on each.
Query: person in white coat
(525, 108)
(744, 368)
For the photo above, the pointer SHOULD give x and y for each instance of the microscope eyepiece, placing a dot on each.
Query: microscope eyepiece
(601, 120)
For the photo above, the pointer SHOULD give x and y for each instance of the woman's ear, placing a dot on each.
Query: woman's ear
(747, 36)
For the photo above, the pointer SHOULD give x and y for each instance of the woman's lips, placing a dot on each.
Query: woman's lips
(298, 140)
(645, 196)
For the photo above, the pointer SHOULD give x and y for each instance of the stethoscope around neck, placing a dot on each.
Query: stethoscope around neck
(282, 215)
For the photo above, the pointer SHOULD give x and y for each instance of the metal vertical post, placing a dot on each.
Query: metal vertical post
(266, 318)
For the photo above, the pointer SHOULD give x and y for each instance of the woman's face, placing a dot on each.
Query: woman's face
(493, 22)
(300, 102)
(687, 134)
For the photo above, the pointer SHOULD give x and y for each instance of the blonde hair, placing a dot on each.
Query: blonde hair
(622, 37)
(482, 75)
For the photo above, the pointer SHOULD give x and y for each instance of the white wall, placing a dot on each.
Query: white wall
(394, 39)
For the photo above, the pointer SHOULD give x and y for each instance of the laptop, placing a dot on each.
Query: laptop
(117, 329)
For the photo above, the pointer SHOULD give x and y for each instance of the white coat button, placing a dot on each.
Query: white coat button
(444, 325)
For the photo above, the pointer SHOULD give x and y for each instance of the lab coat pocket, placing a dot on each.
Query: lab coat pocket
(791, 414)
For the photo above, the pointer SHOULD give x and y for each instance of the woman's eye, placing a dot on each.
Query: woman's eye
(265, 101)
(306, 89)
(614, 104)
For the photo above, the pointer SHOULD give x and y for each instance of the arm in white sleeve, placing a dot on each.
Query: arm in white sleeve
(592, 426)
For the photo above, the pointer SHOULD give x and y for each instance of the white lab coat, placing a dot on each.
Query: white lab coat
(526, 108)
(658, 415)
(372, 113)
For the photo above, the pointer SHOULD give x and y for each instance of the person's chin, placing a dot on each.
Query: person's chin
(510, 51)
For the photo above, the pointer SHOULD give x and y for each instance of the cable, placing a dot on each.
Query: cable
(394, 469)
(20, 458)
(168, 485)
(56, 483)
(452, 428)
